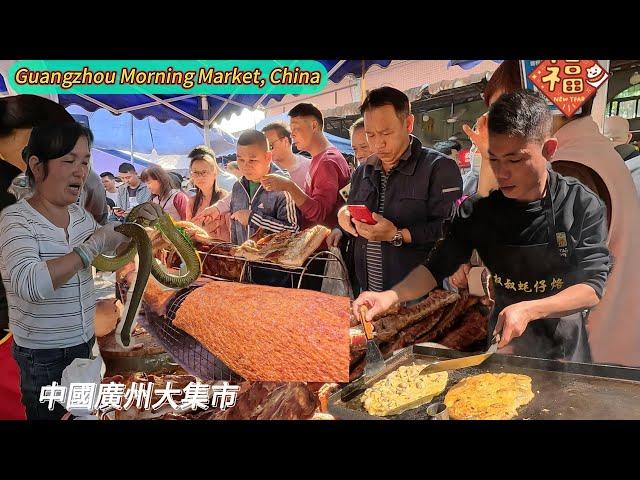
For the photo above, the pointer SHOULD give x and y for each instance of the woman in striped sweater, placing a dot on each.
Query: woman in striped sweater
(47, 245)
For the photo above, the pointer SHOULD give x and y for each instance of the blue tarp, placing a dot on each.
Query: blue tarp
(342, 144)
(170, 138)
(110, 160)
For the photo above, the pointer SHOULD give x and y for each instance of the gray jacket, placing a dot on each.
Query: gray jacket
(420, 195)
(142, 195)
(94, 198)
(273, 211)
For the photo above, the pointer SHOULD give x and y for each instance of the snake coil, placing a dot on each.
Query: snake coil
(134, 228)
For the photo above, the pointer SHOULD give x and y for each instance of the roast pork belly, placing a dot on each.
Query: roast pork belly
(471, 332)
(217, 261)
(270, 333)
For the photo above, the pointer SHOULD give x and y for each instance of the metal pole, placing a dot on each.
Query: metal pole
(131, 152)
(206, 123)
(363, 85)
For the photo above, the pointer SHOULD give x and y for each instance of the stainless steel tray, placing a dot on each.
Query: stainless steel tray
(563, 390)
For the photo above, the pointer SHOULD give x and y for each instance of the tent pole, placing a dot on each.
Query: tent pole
(131, 140)
(206, 123)
(207, 133)
(363, 85)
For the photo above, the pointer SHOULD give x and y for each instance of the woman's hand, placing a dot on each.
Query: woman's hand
(105, 240)
(208, 214)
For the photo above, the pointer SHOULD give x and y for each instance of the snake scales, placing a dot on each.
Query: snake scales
(134, 228)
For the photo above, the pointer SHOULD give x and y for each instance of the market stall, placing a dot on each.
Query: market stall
(176, 328)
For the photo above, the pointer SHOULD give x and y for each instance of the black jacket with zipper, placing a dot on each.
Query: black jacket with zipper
(420, 194)
(273, 211)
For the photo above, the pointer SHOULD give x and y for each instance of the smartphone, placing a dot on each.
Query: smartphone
(362, 214)
(344, 192)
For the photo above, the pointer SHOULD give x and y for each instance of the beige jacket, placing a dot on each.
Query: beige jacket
(614, 324)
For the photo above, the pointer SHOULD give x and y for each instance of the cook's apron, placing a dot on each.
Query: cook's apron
(531, 272)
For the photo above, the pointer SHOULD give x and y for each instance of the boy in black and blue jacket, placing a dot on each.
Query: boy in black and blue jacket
(253, 207)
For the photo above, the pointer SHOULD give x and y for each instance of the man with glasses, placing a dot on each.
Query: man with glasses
(279, 138)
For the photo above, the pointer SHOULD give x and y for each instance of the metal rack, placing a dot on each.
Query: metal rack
(325, 256)
(185, 349)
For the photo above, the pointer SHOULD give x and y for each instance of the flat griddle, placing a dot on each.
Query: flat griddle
(563, 390)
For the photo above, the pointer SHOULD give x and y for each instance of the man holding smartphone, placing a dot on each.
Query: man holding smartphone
(409, 190)
(131, 193)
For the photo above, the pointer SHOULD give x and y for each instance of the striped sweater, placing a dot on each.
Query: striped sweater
(39, 316)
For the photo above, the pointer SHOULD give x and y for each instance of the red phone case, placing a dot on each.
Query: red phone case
(362, 214)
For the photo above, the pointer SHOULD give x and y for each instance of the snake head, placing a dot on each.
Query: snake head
(147, 214)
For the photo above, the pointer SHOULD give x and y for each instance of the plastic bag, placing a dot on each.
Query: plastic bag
(87, 371)
(334, 269)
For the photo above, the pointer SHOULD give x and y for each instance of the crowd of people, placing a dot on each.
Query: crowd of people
(536, 209)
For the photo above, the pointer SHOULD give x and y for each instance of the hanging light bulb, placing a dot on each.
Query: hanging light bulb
(635, 78)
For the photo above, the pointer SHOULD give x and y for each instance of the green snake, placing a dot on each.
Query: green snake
(134, 228)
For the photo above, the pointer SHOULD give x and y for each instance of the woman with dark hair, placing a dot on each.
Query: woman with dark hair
(18, 115)
(204, 172)
(173, 201)
(48, 244)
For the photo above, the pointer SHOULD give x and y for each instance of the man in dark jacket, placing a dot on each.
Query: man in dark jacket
(410, 189)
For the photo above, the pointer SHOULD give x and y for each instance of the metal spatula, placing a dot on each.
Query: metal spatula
(464, 362)
(373, 360)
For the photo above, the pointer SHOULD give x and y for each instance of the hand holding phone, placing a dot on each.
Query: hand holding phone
(362, 214)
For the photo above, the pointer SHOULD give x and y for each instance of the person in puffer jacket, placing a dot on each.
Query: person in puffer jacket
(252, 207)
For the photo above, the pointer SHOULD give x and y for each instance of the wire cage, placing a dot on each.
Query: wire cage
(296, 274)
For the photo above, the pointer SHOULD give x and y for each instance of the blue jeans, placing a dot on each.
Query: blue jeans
(41, 367)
